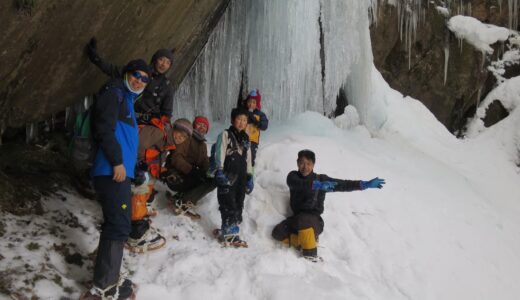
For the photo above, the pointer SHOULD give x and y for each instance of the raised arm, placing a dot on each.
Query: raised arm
(105, 66)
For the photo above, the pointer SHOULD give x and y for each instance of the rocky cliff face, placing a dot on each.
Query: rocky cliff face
(418, 71)
(43, 65)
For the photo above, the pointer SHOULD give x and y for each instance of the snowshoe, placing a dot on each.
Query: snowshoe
(125, 289)
(179, 208)
(151, 211)
(229, 240)
(313, 258)
(151, 240)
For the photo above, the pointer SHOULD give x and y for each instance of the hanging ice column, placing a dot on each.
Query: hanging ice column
(277, 46)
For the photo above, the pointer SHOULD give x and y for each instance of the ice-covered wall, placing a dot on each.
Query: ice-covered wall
(299, 53)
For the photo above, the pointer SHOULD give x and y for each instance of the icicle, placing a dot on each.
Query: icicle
(446, 59)
(479, 94)
(30, 132)
(513, 14)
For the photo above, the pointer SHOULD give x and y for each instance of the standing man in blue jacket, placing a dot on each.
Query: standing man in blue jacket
(114, 128)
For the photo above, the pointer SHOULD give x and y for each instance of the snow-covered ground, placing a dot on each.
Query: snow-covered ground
(445, 226)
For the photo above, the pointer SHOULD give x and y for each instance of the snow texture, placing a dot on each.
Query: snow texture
(476, 33)
(506, 133)
(444, 226)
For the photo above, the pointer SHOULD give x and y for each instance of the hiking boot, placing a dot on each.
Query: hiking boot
(151, 240)
(311, 255)
(313, 258)
(125, 289)
(230, 239)
(234, 240)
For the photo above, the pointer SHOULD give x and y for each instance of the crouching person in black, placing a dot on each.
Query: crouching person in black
(114, 129)
(307, 195)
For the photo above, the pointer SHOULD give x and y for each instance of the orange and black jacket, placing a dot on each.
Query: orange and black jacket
(304, 198)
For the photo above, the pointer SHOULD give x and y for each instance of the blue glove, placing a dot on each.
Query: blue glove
(372, 184)
(221, 178)
(249, 185)
(327, 186)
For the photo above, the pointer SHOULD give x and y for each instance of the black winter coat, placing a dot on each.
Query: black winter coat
(304, 199)
(155, 101)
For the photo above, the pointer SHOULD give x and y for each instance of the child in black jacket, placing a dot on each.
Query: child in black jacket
(234, 176)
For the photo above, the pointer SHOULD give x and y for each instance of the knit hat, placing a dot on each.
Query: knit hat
(137, 65)
(183, 125)
(162, 53)
(201, 119)
(255, 94)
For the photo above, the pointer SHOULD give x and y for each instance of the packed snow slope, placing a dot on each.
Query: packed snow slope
(445, 226)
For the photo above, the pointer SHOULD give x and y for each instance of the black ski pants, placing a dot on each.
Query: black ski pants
(231, 202)
(294, 224)
(116, 203)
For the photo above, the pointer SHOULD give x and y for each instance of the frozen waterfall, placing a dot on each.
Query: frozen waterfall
(299, 53)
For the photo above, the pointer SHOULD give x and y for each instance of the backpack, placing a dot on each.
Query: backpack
(81, 148)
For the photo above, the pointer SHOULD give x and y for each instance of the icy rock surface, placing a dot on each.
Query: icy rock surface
(299, 53)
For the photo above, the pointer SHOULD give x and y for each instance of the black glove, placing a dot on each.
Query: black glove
(140, 177)
(251, 118)
(197, 172)
(142, 166)
(91, 49)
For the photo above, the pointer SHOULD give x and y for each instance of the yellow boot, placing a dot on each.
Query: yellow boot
(307, 240)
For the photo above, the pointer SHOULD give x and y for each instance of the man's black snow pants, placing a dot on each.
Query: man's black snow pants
(116, 202)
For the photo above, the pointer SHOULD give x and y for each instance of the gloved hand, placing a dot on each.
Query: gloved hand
(251, 118)
(91, 49)
(327, 186)
(141, 177)
(198, 173)
(250, 185)
(141, 166)
(221, 178)
(373, 183)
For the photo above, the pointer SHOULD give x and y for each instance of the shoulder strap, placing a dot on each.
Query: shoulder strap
(233, 140)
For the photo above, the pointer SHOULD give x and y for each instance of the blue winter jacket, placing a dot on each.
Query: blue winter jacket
(114, 129)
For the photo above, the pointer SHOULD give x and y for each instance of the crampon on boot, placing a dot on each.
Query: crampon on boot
(151, 240)
(124, 289)
(178, 207)
(229, 240)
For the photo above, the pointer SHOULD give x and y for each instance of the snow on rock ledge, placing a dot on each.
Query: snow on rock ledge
(476, 33)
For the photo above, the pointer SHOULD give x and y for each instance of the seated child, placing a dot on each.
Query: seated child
(307, 194)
